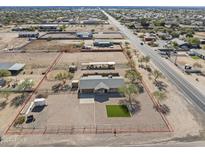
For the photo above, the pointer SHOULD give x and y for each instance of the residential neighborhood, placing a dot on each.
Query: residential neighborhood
(102, 76)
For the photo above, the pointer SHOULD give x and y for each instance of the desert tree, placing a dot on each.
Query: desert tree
(129, 91)
(157, 74)
(133, 76)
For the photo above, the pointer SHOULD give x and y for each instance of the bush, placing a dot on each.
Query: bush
(18, 100)
(49, 38)
(20, 120)
(64, 75)
(164, 109)
(42, 95)
(5, 73)
(55, 88)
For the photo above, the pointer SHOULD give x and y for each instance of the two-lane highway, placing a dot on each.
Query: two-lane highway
(189, 91)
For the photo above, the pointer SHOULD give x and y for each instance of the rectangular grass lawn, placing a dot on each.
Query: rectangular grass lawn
(117, 111)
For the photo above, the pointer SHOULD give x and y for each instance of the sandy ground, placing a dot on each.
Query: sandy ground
(32, 60)
(53, 45)
(181, 117)
(7, 113)
(200, 35)
(87, 28)
(10, 40)
(108, 36)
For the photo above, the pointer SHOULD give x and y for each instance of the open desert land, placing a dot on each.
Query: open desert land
(183, 117)
(89, 28)
(35, 65)
(53, 46)
(10, 40)
(200, 35)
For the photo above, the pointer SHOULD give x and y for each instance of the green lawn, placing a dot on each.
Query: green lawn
(195, 57)
(117, 111)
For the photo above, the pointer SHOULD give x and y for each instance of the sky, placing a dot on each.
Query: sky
(102, 2)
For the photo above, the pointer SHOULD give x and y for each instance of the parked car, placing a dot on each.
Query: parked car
(30, 119)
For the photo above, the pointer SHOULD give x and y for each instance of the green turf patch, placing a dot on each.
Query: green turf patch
(195, 57)
(117, 111)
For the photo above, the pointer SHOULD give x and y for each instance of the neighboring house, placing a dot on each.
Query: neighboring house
(164, 36)
(103, 43)
(181, 44)
(84, 35)
(149, 37)
(100, 84)
(29, 34)
(49, 27)
(198, 52)
(92, 21)
(14, 68)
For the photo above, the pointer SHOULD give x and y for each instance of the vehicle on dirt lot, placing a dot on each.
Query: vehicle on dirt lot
(30, 119)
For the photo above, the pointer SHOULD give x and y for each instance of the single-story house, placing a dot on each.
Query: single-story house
(181, 44)
(199, 52)
(29, 34)
(100, 84)
(92, 21)
(84, 35)
(103, 43)
(49, 27)
(149, 37)
(164, 36)
(14, 68)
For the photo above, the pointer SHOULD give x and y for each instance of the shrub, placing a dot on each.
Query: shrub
(18, 100)
(49, 38)
(164, 109)
(20, 120)
(42, 95)
(4, 73)
(64, 75)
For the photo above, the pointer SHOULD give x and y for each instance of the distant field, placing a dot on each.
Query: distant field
(117, 111)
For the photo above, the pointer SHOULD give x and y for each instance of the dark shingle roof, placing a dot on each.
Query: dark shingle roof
(91, 82)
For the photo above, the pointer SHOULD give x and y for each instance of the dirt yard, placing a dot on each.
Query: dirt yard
(88, 28)
(53, 45)
(10, 40)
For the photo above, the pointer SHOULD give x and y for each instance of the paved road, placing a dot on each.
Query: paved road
(189, 91)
